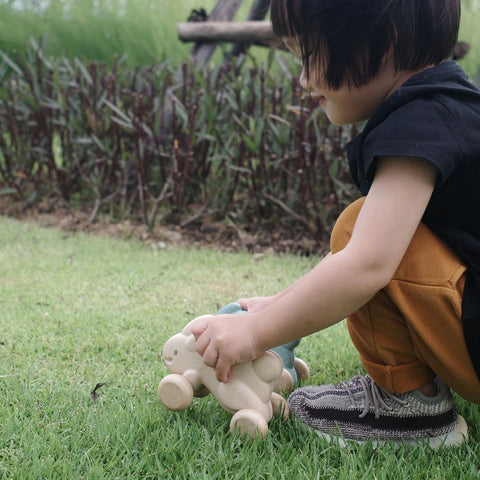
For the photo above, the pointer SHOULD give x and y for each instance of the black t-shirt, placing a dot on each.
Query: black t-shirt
(435, 115)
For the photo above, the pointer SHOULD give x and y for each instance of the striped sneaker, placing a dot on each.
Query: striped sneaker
(361, 411)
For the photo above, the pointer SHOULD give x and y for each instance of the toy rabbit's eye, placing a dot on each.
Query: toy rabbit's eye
(175, 352)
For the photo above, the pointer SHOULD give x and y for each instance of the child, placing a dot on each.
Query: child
(404, 265)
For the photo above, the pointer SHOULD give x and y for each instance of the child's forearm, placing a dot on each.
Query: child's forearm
(266, 301)
(324, 296)
(300, 280)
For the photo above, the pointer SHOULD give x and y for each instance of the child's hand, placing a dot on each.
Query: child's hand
(224, 341)
(255, 304)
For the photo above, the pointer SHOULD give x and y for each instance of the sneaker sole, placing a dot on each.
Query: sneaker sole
(455, 438)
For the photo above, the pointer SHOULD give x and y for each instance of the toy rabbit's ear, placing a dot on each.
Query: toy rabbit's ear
(190, 344)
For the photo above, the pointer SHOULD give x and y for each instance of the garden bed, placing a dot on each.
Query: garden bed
(205, 233)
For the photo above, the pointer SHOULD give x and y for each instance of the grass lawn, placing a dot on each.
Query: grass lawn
(77, 310)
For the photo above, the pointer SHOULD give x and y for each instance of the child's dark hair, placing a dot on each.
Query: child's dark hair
(348, 39)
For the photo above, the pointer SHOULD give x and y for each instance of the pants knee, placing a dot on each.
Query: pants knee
(342, 231)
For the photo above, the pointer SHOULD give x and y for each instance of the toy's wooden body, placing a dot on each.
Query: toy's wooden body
(248, 394)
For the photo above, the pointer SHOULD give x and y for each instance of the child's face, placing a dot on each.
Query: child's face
(350, 104)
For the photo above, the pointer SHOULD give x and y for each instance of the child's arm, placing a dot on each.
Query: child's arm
(255, 304)
(341, 283)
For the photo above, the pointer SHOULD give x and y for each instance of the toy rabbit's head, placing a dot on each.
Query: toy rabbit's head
(179, 353)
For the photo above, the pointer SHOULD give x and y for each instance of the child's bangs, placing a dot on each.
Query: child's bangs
(285, 15)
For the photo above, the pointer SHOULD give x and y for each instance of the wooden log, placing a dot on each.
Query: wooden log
(224, 10)
(258, 12)
(250, 32)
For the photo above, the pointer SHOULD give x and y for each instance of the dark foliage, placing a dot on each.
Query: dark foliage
(163, 142)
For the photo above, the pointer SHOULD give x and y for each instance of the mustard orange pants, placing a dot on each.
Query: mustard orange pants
(411, 330)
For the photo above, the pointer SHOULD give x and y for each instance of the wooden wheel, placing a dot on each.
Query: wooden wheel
(175, 392)
(284, 383)
(302, 369)
(249, 422)
(280, 406)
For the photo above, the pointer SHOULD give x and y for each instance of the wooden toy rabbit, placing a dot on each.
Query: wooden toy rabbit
(248, 395)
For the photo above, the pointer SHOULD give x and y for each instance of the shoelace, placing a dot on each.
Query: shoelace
(374, 396)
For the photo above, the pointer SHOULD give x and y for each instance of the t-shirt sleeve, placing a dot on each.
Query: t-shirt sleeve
(422, 128)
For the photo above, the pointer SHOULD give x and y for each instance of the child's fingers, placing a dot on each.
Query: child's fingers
(202, 343)
(210, 356)
(199, 331)
(243, 303)
(199, 327)
(222, 370)
(212, 359)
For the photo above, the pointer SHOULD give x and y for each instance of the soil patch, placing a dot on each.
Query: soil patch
(206, 232)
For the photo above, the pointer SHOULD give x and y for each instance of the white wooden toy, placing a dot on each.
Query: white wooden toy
(248, 395)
